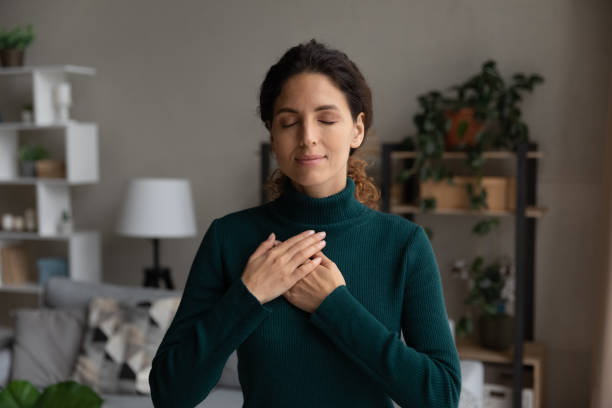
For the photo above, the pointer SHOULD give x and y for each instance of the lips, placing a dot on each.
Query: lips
(310, 160)
(310, 157)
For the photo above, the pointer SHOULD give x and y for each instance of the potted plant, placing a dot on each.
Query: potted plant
(27, 113)
(28, 155)
(483, 115)
(491, 293)
(65, 394)
(13, 44)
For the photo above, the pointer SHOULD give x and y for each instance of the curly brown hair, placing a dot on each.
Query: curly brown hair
(316, 57)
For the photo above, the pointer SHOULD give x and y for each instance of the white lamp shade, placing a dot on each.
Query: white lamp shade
(157, 208)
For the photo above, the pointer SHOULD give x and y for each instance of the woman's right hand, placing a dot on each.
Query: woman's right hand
(274, 268)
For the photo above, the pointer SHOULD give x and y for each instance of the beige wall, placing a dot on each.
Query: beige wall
(176, 93)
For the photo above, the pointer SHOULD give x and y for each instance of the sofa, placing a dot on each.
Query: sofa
(60, 293)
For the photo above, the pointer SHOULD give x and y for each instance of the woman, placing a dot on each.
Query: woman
(315, 318)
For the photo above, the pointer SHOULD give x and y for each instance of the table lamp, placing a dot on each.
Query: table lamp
(157, 208)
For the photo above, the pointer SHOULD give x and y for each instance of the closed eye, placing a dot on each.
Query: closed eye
(322, 121)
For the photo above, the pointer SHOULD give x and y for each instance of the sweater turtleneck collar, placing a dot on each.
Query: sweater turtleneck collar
(304, 209)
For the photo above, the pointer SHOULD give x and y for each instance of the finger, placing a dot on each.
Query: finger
(283, 246)
(308, 266)
(264, 246)
(304, 249)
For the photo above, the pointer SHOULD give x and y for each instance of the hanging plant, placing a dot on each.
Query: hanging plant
(482, 115)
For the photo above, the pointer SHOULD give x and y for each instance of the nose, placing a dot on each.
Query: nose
(308, 133)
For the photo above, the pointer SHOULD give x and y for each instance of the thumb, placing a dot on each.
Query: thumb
(264, 246)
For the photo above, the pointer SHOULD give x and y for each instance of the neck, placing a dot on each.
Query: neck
(304, 209)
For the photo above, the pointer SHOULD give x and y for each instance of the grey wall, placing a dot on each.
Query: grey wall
(176, 94)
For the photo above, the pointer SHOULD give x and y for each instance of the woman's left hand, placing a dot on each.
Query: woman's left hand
(309, 292)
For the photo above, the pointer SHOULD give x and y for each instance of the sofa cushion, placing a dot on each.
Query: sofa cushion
(64, 292)
(120, 342)
(46, 342)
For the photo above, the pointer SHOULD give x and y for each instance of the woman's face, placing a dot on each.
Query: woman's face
(311, 117)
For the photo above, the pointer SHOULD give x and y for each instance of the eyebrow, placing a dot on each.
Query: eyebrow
(318, 108)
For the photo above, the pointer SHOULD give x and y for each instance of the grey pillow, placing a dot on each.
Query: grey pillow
(46, 343)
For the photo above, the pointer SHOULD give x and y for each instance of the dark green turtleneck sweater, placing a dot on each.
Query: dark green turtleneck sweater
(349, 352)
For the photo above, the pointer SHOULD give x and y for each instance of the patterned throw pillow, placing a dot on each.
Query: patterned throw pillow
(119, 344)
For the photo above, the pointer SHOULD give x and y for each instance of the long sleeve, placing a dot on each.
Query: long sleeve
(212, 320)
(422, 372)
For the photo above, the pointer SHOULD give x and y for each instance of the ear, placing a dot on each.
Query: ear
(358, 131)
(272, 144)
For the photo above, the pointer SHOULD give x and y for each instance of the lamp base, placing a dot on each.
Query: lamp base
(154, 275)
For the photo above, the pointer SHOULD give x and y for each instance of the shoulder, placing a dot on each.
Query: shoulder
(397, 227)
(240, 219)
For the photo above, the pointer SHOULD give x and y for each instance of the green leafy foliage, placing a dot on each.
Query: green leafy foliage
(490, 291)
(495, 106)
(17, 39)
(32, 153)
(66, 394)
(485, 226)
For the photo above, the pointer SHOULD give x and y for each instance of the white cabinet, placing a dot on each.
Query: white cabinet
(80, 152)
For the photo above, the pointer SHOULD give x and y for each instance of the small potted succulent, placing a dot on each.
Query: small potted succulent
(22, 394)
(13, 44)
(28, 155)
(491, 293)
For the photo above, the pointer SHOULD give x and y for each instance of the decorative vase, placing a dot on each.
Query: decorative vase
(496, 331)
(27, 116)
(7, 222)
(452, 140)
(30, 219)
(12, 58)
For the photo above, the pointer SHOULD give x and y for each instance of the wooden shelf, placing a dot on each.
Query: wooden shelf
(530, 212)
(501, 154)
(23, 288)
(533, 353)
(533, 356)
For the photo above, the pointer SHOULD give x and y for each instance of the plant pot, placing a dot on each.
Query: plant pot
(12, 58)
(452, 140)
(455, 196)
(28, 168)
(496, 332)
(49, 168)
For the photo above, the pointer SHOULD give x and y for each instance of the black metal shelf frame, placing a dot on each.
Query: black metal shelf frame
(526, 169)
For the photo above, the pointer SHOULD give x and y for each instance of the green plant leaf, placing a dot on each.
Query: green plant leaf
(69, 394)
(19, 394)
(465, 326)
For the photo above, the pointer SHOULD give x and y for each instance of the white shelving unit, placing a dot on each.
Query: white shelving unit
(81, 155)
